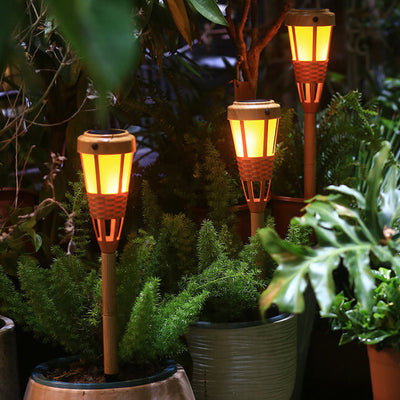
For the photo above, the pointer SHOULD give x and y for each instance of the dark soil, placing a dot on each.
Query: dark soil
(83, 372)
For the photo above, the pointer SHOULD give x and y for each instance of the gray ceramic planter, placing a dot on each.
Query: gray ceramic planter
(243, 361)
(9, 387)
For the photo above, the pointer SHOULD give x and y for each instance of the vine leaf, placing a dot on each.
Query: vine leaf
(210, 10)
(102, 33)
(179, 14)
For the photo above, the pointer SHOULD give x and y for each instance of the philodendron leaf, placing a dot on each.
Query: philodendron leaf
(297, 264)
(290, 278)
(389, 212)
(103, 34)
(374, 181)
(179, 14)
(357, 263)
(210, 10)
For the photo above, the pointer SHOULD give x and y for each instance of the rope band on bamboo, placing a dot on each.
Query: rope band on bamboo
(310, 71)
(107, 206)
(255, 168)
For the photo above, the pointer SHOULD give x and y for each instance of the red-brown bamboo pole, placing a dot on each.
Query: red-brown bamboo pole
(256, 221)
(310, 150)
(109, 292)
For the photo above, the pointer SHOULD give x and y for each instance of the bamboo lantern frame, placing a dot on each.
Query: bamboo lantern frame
(310, 32)
(107, 205)
(106, 158)
(254, 125)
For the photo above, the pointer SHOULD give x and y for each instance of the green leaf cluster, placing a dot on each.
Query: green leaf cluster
(357, 229)
(381, 325)
(233, 283)
(155, 326)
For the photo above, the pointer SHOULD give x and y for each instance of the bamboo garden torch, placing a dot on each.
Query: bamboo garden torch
(106, 158)
(310, 35)
(254, 125)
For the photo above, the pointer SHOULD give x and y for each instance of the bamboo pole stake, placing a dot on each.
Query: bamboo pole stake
(310, 150)
(257, 222)
(109, 291)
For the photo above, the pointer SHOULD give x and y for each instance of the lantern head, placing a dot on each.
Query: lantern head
(106, 158)
(310, 35)
(254, 125)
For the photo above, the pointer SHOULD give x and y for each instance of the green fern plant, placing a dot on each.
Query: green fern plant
(233, 283)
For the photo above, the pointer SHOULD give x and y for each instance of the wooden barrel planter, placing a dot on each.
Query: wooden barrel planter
(249, 360)
(26, 198)
(170, 384)
(9, 386)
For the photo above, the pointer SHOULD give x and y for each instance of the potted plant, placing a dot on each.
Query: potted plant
(9, 386)
(62, 304)
(353, 270)
(234, 354)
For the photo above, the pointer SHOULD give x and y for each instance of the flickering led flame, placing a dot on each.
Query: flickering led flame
(249, 140)
(305, 40)
(114, 172)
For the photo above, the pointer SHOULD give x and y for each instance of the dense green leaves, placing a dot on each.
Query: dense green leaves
(103, 33)
(355, 229)
(209, 9)
(9, 15)
(179, 14)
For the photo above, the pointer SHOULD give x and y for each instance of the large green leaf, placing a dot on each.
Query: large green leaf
(359, 228)
(290, 278)
(103, 34)
(210, 10)
(179, 14)
(374, 181)
(11, 10)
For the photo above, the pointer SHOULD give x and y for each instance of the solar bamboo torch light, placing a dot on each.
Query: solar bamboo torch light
(106, 157)
(254, 126)
(310, 35)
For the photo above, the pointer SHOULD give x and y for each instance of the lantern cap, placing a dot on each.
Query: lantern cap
(310, 17)
(111, 141)
(254, 110)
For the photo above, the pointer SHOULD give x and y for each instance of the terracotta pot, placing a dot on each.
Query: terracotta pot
(26, 198)
(171, 384)
(247, 360)
(283, 210)
(9, 387)
(384, 367)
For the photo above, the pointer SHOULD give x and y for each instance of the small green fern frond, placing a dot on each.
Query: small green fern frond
(136, 342)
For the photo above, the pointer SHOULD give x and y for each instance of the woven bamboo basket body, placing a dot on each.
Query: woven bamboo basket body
(244, 361)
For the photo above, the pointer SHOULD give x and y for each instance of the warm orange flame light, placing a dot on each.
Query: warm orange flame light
(310, 35)
(107, 163)
(254, 125)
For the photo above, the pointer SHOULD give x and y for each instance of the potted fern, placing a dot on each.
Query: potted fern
(357, 232)
(61, 303)
(234, 354)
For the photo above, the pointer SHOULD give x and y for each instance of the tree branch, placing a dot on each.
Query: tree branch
(266, 35)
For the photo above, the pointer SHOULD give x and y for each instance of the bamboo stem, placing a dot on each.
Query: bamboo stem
(257, 222)
(109, 292)
(309, 155)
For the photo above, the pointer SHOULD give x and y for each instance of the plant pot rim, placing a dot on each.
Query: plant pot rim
(5, 324)
(238, 325)
(288, 199)
(37, 376)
